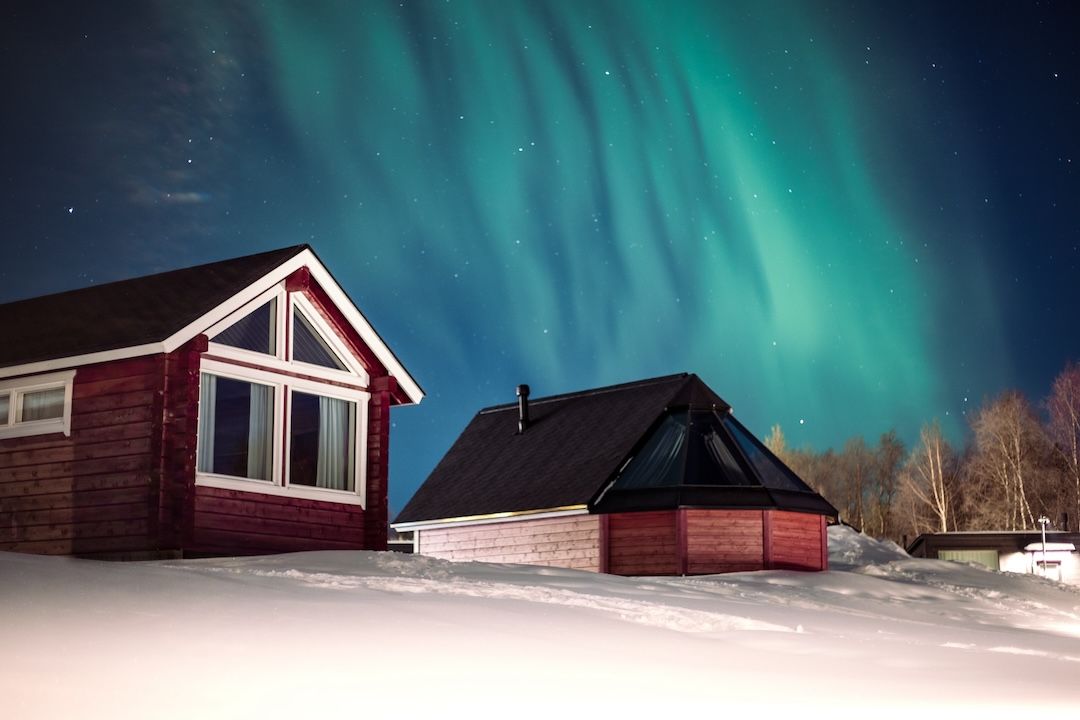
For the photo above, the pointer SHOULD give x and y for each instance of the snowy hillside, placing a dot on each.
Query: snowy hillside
(338, 634)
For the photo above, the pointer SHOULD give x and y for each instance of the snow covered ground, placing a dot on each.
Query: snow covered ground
(339, 634)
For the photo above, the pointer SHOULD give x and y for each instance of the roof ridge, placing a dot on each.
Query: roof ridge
(588, 392)
(297, 248)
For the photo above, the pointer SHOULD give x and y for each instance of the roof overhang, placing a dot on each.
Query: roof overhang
(305, 258)
(491, 518)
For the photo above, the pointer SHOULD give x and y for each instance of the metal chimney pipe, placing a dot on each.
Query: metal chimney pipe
(523, 407)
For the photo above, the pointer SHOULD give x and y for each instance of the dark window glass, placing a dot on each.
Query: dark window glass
(773, 474)
(659, 463)
(322, 449)
(309, 347)
(710, 458)
(5, 402)
(235, 427)
(43, 405)
(255, 331)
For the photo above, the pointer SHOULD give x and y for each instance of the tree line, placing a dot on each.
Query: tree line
(1020, 461)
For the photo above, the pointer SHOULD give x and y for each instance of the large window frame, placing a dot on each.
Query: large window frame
(16, 390)
(280, 372)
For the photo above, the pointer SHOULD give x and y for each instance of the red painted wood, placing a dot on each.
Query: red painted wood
(605, 543)
(824, 544)
(643, 543)
(299, 280)
(682, 553)
(766, 539)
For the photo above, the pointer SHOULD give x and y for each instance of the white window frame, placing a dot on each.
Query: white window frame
(279, 482)
(300, 304)
(275, 293)
(18, 388)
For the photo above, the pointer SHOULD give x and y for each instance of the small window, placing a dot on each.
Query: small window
(309, 347)
(43, 405)
(36, 405)
(256, 331)
(322, 442)
(236, 428)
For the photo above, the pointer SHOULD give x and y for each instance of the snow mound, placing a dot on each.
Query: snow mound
(850, 549)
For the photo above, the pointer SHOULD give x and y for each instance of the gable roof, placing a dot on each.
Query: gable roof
(158, 313)
(125, 313)
(574, 445)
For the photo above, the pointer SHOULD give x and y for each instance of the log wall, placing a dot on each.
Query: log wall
(90, 492)
(570, 541)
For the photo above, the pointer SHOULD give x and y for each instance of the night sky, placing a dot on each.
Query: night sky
(845, 217)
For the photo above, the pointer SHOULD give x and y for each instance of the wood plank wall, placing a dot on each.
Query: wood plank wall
(90, 492)
(571, 541)
(643, 543)
(230, 522)
(702, 542)
(721, 541)
(797, 541)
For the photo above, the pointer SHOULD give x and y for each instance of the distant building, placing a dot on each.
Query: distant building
(654, 477)
(1018, 552)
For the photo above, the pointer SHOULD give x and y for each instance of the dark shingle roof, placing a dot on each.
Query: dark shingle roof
(126, 313)
(574, 444)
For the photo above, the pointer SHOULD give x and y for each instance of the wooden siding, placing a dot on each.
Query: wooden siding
(797, 541)
(90, 492)
(643, 543)
(702, 542)
(720, 541)
(233, 522)
(571, 541)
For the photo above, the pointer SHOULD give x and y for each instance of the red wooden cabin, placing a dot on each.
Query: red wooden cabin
(649, 478)
(231, 408)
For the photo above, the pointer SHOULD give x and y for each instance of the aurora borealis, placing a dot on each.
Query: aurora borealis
(845, 219)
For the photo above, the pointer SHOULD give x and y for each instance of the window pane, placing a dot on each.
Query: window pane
(322, 435)
(659, 462)
(309, 347)
(255, 332)
(43, 405)
(5, 402)
(773, 474)
(236, 427)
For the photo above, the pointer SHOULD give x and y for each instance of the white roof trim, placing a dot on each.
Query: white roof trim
(495, 518)
(303, 258)
(320, 274)
(77, 360)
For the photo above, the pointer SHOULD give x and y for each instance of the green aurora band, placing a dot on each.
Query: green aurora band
(573, 194)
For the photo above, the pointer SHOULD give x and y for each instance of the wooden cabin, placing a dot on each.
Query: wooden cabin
(647, 478)
(232, 408)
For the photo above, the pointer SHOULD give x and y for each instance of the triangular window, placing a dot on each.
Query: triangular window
(774, 474)
(309, 347)
(256, 331)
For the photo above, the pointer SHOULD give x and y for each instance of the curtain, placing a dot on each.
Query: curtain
(43, 405)
(207, 404)
(332, 470)
(260, 426)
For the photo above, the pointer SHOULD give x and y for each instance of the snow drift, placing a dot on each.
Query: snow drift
(379, 634)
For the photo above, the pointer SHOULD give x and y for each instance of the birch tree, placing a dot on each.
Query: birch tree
(1064, 428)
(929, 476)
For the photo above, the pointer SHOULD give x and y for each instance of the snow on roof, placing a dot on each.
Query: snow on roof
(328, 634)
(1049, 547)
